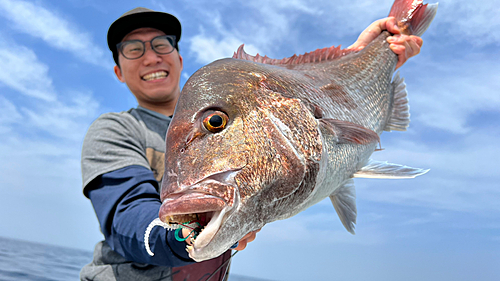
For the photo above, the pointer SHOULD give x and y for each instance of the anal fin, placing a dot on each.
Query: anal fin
(384, 170)
(344, 202)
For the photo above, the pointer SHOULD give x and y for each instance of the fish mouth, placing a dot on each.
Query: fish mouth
(206, 210)
(205, 204)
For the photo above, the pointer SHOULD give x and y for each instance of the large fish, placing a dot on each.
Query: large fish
(254, 140)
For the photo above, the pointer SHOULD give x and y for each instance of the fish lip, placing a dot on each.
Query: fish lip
(181, 204)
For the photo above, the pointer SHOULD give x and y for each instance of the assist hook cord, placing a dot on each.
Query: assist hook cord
(226, 262)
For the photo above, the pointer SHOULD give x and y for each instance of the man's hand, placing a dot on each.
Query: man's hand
(405, 46)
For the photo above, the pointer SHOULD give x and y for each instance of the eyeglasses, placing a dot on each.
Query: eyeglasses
(135, 49)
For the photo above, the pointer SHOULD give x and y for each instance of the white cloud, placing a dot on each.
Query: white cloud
(40, 126)
(23, 72)
(279, 18)
(57, 32)
(44, 139)
(218, 43)
(8, 115)
(41, 111)
(455, 90)
(68, 120)
(274, 18)
(305, 7)
(260, 27)
(476, 22)
(39, 159)
(208, 49)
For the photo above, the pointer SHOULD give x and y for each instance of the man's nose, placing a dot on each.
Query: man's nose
(150, 56)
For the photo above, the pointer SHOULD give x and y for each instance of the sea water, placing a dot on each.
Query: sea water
(28, 261)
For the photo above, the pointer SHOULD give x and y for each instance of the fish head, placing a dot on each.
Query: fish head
(237, 152)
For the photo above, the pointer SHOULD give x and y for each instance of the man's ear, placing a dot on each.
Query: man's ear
(118, 73)
(180, 58)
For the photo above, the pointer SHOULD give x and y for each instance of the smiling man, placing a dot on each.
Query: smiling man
(123, 153)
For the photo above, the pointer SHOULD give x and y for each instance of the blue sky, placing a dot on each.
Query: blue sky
(57, 77)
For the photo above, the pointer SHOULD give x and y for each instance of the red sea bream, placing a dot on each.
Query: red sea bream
(254, 140)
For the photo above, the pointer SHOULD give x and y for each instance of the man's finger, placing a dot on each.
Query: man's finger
(391, 26)
(241, 245)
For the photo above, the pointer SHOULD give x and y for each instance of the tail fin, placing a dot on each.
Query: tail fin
(413, 16)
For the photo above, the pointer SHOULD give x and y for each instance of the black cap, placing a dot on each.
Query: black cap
(138, 18)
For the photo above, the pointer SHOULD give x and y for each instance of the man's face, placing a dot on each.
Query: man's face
(152, 78)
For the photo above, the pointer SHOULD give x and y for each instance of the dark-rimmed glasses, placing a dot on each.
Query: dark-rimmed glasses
(134, 49)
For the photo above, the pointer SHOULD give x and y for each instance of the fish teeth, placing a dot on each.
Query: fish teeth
(189, 248)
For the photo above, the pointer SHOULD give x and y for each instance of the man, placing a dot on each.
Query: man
(123, 153)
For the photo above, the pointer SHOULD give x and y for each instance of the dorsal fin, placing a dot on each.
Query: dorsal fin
(319, 55)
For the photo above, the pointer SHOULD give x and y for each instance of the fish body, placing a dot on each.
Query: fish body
(254, 140)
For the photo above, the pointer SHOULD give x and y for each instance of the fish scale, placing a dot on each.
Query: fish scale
(370, 90)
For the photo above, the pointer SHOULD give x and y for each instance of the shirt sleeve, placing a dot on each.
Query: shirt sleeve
(112, 142)
(126, 201)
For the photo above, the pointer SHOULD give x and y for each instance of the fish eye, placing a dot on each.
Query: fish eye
(215, 122)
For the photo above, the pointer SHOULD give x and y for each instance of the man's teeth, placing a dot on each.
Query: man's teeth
(155, 75)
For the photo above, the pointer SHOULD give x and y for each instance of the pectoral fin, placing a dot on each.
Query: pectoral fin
(344, 202)
(383, 170)
(349, 132)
